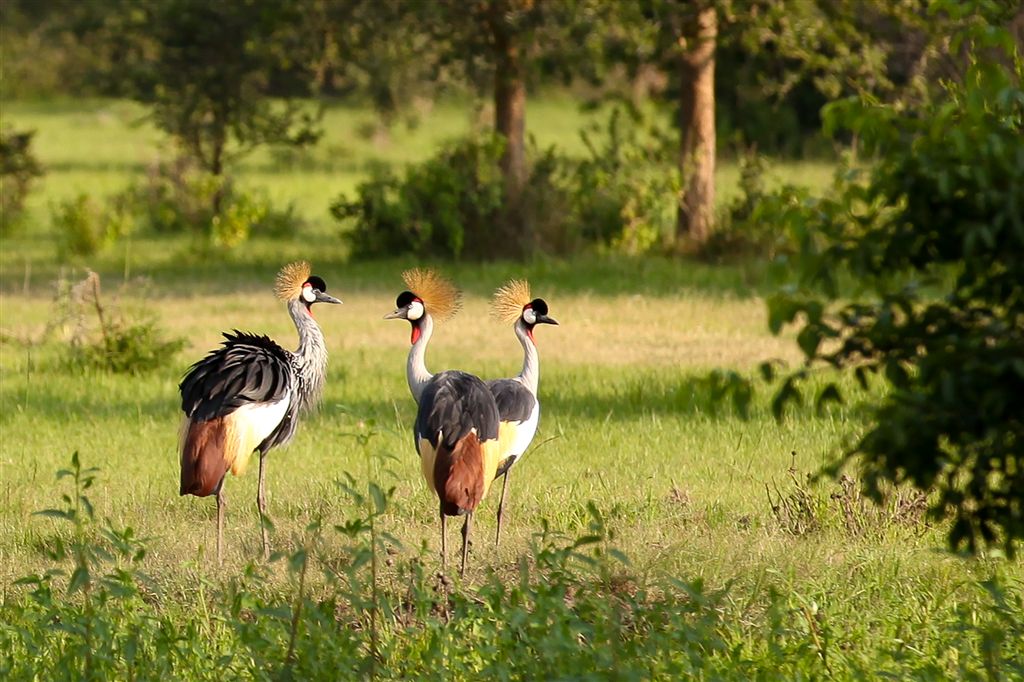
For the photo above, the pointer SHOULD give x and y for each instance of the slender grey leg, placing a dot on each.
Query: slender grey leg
(221, 504)
(466, 528)
(444, 543)
(501, 505)
(261, 504)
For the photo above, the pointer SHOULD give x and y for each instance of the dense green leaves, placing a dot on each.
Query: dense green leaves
(18, 170)
(444, 206)
(205, 70)
(934, 235)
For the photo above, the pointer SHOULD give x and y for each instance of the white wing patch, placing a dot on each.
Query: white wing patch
(251, 424)
(525, 432)
(263, 418)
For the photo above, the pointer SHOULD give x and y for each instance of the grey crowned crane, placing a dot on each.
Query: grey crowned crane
(247, 395)
(516, 398)
(456, 429)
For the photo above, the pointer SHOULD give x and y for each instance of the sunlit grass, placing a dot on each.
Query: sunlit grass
(628, 421)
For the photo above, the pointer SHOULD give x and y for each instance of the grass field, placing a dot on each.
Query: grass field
(629, 424)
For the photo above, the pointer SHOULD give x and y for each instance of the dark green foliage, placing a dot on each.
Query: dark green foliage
(614, 198)
(205, 68)
(936, 236)
(444, 206)
(623, 192)
(177, 196)
(747, 227)
(18, 169)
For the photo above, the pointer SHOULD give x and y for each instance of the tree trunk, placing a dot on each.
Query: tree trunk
(510, 123)
(695, 216)
(217, 168)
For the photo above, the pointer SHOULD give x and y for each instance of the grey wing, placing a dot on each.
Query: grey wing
(453, 404)
(245, 369)
(515, 402)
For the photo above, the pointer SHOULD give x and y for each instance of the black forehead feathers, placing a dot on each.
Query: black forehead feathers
(405, 298)
(539, 306)
(318, 283)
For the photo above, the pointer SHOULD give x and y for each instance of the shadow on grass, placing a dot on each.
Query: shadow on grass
(136, 168)
(638, 397)
(678, 394)
(601, 276)
(51, 402)
(177, 267)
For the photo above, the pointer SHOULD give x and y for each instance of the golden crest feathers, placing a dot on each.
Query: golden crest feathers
(440, 297)
(290, 279)
(508, 301)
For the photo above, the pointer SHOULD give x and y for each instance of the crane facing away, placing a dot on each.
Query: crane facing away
(247, 395)
(456, 429)
(516, 398)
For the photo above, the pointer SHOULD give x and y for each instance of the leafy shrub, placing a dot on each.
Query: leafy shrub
(623, 194)
(18, 168)
(115, 344)
(85, 227)
(447, 205)
(935, 236)
(748, 226)
(453, 203)
(178, 197)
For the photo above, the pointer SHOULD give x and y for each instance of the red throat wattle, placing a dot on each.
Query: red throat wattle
(529, 332)
(415, 334)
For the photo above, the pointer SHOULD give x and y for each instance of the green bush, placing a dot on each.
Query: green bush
(79, 226)
(935, 238)
(623, 194)
(447, 205)
(178, 197)
(750, 225)
(18, 168)
(619, 197)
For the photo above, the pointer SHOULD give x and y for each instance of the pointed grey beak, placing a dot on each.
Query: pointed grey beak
(396, 314)
(325, 298)
(544, 319)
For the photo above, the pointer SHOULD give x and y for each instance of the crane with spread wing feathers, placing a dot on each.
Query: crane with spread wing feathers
(456, 428)
(247, 395)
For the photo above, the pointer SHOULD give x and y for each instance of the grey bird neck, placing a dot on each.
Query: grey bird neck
(310, 356)
(416, 367)
(530, 376)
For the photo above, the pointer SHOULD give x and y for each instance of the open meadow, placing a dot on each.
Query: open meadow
(728, 561)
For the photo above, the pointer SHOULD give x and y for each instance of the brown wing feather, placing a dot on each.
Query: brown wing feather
(204, 456)
(459, 475)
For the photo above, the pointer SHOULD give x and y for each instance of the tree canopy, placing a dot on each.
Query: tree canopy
(936, 238)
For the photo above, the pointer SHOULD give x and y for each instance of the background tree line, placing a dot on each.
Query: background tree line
(222, 78)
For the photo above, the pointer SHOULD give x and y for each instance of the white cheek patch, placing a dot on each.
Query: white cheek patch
(415, 310)
(307, 294)
(529, 317)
